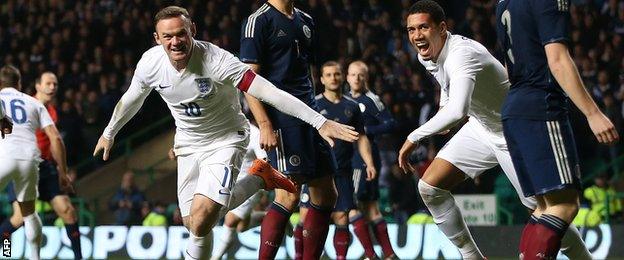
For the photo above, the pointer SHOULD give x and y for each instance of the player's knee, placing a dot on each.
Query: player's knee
(570, 210)
(374, 213)
(433, 196)
(201, 219)
(286, 199)
(340, 218)
(198, 224)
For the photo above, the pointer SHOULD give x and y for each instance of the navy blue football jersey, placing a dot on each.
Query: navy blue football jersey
(347, 112)
(283, 48)
(377, 120)
(524, 27)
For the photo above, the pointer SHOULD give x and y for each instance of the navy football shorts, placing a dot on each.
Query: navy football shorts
(543, 153)
(302, 151)
(344, 186)
(365, 190)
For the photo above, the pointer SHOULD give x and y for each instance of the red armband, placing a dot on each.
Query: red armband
(248, 77)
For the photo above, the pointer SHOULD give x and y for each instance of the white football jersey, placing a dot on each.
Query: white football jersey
(253, 149)
(463, 57)
(28, 115)
(203, 98)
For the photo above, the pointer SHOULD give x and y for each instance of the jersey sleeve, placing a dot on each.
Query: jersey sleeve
(462, 69)
(44, 117)
(552, 18)
(130, 102)
(252, 39)
(462, 63)
(2, 113)
(229, 70)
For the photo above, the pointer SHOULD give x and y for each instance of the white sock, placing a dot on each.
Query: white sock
(198, 247)
(244, 189)
(226, 239)
(573, 246)
(447, 216)
(32, 229)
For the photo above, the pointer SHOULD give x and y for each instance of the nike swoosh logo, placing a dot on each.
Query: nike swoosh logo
(163, 87)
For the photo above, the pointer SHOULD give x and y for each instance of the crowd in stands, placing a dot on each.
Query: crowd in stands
(93, 47)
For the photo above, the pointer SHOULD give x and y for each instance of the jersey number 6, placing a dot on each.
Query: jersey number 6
(18, 113)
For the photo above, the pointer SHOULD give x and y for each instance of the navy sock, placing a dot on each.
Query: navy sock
(6, 229)
(74, 236)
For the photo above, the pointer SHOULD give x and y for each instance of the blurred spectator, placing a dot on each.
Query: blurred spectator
(156, 217)
(586, 217)
(174, 215)
(601, 195)
(127, 202)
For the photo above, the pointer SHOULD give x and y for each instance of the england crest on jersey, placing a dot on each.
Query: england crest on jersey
(204, 85)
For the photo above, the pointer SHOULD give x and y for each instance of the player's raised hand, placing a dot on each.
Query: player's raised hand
(268, 138)
(104, 145)
(331, 130)
(603, 128)
(404, 154)
(371, 173)
(6, 126)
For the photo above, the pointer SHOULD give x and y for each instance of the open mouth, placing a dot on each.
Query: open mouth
(179, 49)
(422, 47)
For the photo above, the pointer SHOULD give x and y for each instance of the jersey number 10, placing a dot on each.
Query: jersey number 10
(191, 109)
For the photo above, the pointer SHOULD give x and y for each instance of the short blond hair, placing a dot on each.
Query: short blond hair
(361, 64)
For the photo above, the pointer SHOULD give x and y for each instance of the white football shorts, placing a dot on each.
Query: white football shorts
(24, 174)
(474, 149)
(210, 173)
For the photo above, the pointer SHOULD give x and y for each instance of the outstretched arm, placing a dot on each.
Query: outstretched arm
(262, 89)
(453, 112)
(126, 108)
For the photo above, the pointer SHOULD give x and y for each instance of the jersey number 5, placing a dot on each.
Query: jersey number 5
(191, 109)
(506, 21)
(18, 113)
